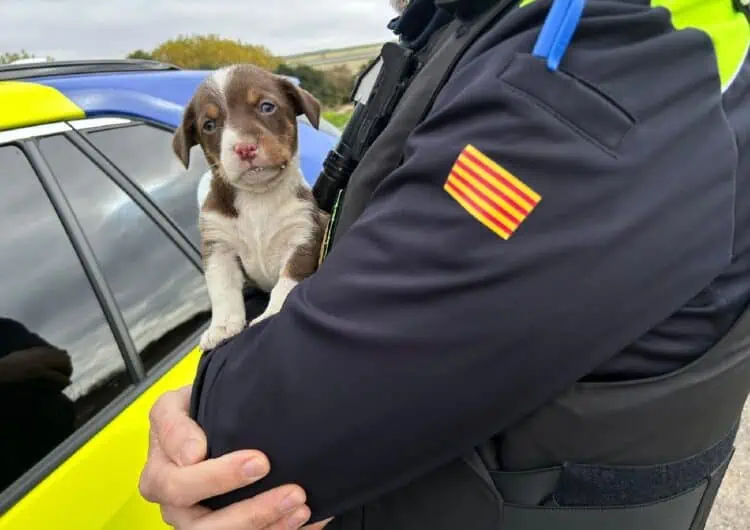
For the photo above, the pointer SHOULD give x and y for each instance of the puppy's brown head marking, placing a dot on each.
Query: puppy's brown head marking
(253, 96)
(245, 120)
(212, 111)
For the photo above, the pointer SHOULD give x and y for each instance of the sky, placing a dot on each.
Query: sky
(106, 29)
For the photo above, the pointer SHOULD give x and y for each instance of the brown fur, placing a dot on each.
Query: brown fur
(304, 261)
(221, 198)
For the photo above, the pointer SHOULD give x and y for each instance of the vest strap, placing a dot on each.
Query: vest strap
(426, 80)
(674, 496)
(676, 513)
(686, 511)
(558, 29)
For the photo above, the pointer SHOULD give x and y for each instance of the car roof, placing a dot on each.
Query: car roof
(128, 88)
(41, 93)
(48, 92)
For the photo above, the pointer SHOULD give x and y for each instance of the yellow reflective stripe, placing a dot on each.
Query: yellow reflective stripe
(24, 104)
(727, 28)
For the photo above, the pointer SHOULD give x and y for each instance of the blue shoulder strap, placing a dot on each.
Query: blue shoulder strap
(557, 31)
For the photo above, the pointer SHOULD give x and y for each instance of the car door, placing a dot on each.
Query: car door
(102, 305)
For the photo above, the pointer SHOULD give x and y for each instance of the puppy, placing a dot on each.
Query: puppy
(399, 5)
(259, 216)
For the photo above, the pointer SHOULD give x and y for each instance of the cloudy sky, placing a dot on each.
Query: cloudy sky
(102, 29)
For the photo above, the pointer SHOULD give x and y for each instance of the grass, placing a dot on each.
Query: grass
(338, 118)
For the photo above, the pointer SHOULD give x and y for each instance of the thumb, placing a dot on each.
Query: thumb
(179, 437)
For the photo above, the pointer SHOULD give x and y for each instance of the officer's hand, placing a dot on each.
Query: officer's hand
(177, 478)
(38, 362)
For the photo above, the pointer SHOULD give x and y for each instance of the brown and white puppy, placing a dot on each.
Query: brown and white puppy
(259, 214)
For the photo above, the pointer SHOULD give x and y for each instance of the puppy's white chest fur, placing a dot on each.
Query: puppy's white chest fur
(253, 238)
(266, 230)
(272, 236)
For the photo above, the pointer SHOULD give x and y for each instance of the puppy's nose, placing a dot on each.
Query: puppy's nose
(246, 151)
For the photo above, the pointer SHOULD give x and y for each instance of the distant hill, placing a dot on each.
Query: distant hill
(353, 57)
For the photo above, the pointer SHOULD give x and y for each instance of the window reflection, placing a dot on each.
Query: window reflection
(59, 363)
(144, 153)
(161, 294)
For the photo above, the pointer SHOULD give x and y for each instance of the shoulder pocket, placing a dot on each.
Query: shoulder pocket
(579, 104)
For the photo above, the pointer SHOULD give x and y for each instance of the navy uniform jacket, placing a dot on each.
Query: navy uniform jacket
(443, 316)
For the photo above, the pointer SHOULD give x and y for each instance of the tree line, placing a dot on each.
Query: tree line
(208, 52)
(10, 57)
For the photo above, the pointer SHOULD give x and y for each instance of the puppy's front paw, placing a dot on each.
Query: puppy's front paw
(220, 331)
(267, 313)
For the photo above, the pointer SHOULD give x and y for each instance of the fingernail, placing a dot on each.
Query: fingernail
(297, 519)
(254, 468)
(191, 451)
(291, 501)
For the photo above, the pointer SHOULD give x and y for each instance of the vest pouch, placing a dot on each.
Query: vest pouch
(673, 496)
(466, 495)
(675, 513)
(458, 496)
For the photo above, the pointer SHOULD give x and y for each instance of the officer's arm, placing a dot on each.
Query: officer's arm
(428, 330)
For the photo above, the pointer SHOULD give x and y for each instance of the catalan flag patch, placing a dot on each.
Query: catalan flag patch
(489, 192)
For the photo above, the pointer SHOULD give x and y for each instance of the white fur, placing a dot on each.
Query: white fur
(263, 237)
(276, 300)
(399, 5)
(224, 282)
(219, 78)
(230, 162)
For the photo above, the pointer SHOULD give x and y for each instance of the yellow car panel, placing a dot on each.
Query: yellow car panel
(97, 487)
(25, 104)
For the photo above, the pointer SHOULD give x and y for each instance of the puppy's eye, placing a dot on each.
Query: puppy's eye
(209, 126)
(267, 107)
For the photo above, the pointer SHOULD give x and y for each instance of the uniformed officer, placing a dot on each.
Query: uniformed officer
(533, 313)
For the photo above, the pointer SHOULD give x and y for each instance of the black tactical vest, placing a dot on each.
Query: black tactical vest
(636, 455)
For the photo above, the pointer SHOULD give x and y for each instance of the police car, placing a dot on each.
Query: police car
(103, 299)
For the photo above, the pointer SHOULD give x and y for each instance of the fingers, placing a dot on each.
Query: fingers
(55, 359)
(294, 520)
(59, 360)
(156, 464)
(168, 484)
(179, 437)
(51, 375)
(176, 478)
(318, 526)
(282, 508)
(67, 367)
(183, 517)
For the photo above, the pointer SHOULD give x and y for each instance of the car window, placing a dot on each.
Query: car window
(161, 293)
(59, 363)
(144, 153)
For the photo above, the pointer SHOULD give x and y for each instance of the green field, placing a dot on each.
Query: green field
(353, 57)
(338, 118)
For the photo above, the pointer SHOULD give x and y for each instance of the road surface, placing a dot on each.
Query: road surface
(732, 508)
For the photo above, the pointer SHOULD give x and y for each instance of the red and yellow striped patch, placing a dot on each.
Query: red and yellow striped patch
(490, 193)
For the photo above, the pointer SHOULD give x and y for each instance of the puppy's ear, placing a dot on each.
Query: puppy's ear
(304, 102)
(185, 136)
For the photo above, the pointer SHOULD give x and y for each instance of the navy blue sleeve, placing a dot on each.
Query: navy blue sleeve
(426, 332)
